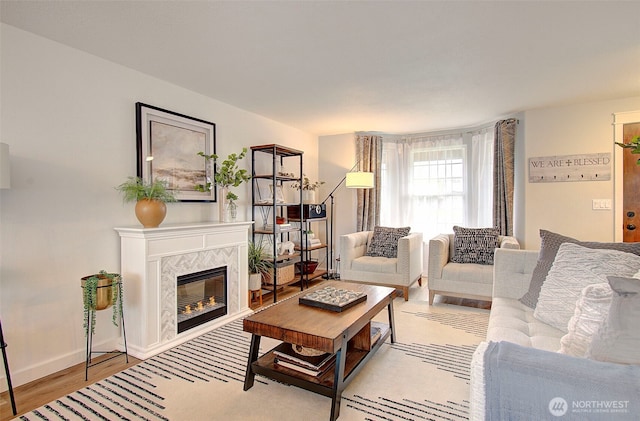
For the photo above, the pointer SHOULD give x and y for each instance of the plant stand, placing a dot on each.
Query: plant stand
(3, 345)
(89, 335)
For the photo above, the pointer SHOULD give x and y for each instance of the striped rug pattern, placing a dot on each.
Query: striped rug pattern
(423, 376)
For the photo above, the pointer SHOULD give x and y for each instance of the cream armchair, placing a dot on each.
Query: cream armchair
(400, 272)
(464, 280)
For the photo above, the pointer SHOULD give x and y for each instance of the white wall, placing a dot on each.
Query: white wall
(559, 207)
(567, 207)
(69, 119)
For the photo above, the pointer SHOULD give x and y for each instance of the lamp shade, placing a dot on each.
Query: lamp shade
(359, 180)
(5, 173)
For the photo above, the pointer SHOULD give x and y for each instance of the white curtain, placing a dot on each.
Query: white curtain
(432, 183)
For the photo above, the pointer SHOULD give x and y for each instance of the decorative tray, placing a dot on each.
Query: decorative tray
(334, 299)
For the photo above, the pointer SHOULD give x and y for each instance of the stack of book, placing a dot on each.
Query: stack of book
(278, 227)
(314, 365)
(310, 242)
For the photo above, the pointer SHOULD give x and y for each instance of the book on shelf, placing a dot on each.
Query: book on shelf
(376, 332)
(310, 242)
(308, 371)
(285, 353)
(278, 227)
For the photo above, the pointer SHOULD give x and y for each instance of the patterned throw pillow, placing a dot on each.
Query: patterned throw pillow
(384, 242)
(549, 248)
(475, 245)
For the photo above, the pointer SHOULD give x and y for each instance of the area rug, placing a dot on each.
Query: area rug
(423, 376)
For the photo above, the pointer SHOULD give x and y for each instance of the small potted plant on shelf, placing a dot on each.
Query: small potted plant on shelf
(100, 291)
(150, 198)
(308, 189)
(259, 264)
(228, 175)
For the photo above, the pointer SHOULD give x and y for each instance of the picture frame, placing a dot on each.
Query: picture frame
(167, 146)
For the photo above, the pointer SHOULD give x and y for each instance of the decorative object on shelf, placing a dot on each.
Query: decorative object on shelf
(286, 247)
(150, 199)
(308, 189)
(228, 175)
(307, 267)
(634, 145)
(354, 180)
(167, 146)
(101, 291)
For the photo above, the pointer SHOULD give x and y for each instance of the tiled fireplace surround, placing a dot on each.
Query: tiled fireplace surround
(151, 261)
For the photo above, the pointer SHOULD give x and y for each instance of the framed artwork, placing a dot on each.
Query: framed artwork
(168, 144)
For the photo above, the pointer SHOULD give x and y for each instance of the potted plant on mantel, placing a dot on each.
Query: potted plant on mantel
(100, 291)
(228, 175)
(308, 189)
(150, 199)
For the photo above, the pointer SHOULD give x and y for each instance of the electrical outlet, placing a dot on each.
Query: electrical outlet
(601, 204)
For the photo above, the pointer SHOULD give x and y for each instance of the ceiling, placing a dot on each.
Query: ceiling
(330, 67)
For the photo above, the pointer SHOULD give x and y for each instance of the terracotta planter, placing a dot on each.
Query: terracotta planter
(150, 212)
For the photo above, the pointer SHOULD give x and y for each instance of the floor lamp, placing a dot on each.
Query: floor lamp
(5, 184)
(354, 180)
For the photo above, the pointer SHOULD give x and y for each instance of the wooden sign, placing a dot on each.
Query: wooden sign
(583, 167)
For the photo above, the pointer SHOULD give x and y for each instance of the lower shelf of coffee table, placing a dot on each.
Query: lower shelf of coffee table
(322, 384)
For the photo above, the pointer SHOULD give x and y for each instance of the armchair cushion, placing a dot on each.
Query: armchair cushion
(474, 245)
(385, 241)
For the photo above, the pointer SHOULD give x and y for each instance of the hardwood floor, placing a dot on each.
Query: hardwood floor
(39, 392)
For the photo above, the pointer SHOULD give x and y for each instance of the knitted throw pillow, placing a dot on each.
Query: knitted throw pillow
(475, 245)
(384, 242)
(549, 248)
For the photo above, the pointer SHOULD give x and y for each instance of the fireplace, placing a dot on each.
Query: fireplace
(152, 260)
(200, 297)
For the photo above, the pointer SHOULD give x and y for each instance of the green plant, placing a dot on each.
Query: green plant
(229, 174)
(258, 258)
(307, 184)
(90, 297)
(135, 189)
(634, 145)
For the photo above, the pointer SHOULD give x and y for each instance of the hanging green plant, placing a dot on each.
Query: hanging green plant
(99, 291)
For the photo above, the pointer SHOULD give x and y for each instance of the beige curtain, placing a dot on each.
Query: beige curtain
(369, 156)
(503, 174)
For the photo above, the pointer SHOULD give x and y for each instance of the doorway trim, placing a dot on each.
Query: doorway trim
(619, 120)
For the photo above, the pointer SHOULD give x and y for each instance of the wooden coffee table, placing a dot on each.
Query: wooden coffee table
(346, 334)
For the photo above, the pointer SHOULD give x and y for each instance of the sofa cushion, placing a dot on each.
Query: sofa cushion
(384, 242)
(574, 268)
(375, 264)
(468, 272)
(513, 321)
(618, 339)
(549, 248)
(591, 311)
(474, 245)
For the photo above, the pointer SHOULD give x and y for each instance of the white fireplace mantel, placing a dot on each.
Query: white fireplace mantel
(151, 261)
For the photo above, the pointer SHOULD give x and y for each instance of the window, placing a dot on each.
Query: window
(433, 182)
